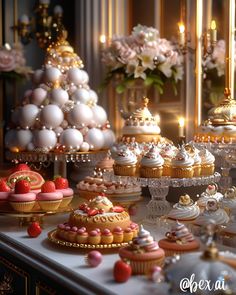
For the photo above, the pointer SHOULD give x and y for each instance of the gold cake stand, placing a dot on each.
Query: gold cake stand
(52, 236)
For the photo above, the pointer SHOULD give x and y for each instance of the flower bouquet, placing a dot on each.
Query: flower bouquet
(12, 62)
(143, 55)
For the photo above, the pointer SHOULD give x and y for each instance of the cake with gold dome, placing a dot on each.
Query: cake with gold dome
(221, 123)
(142, 125)
(98, 222)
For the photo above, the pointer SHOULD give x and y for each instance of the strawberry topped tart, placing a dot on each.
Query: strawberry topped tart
(49, 198)
(5, 191)
(22, 199)
(62, 185)
(98, 222)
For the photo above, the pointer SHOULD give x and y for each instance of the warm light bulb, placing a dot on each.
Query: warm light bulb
(213, 24)
(181, 122)
(102, 39)
(181, 28)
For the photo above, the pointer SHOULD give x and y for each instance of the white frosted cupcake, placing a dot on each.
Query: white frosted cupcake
(125, 163)
(185, 211)
(208, 162)
(167, 152)
(213, 213)
(211, 192)
(151, 164)
(228, 202)
(182, 164)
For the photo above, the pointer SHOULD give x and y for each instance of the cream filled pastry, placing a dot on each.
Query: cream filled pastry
(152, 158)
(125, 163)
(211, 192)
(206, 157)
(212, 212)
(182, 164)
(229, 200)
(184, 210)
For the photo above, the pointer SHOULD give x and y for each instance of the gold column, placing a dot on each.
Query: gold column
(229, 57)
(15, 11)
(198, 68)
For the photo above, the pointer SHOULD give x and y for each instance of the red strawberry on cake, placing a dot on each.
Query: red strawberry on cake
(22, 199)
(4, 193)
(49, 199)
(62, 185)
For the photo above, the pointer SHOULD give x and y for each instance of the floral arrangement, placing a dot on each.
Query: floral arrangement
(145, 55)
(12, 62)
(215, 63)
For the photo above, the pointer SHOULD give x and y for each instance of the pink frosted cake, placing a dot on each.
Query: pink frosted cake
(49, 199)
(62, 186)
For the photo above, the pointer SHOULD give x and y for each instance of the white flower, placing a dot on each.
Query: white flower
(178, 75)
(147, 57)
(131, 66)
(165, 68)
(140, 72)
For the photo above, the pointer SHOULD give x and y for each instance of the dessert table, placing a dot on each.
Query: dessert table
(41, 267)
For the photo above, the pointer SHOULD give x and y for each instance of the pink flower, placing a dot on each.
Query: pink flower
(7, 61)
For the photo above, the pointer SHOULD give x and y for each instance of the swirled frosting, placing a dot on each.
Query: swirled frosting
(219, 216)
(207, 157)
(144, 242)
(184, 212)
(211, 192)
(180, 234)
(125, 157)
(197, 159)
(168, 152)
(229, 202)
(182, 159)
(152, 158)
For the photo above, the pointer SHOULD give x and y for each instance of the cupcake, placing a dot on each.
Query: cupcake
(106, 237)
(168, 153)
(62, 186)
(179, 241)
(22, 199)
(211, 192)
(125, 163)
(118, 235)
(4, 194)
(212, 212)
(106, 164)
(143, 253)
(186, 210)
(229, 232)
(208, 162)
(197, 167)
(228, 202)
(49, 199)
(151, 164)
(82, 236)
(94, 237)
(182, 165)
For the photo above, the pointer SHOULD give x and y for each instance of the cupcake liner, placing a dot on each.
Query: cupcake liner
(207, 170)
(166, 170)
(65, 202)
(151, 172)
(178, 252)
(181, 172)
(143, 266)
(22, 206)
(197, 171)
(49, 205)
(124, 170)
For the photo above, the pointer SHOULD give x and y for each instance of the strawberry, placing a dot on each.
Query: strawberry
(20, 167)
(22, 187)
(61, 183)
(48, 187)
(3, 186)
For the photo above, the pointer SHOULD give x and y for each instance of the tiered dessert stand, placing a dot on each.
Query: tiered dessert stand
(159, 188)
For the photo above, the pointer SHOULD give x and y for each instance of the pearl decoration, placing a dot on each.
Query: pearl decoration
(109, 138)
(71, 138)
(52, 75)
(27, 115)
(94, 258)
(93, 96)
(44, 138)
(95, 139)
(23, 138)
(59, 96)
(84, 147)
(37, 76)
(80, 115)
(51, 116)
(99, 115)
(38, 96)
(81, 95)
(77, 76)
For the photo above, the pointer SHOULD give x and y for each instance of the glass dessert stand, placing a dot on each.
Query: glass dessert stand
(41, 160)
(159, 188)
(225, 154)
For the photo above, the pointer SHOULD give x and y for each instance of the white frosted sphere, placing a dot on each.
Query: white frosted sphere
(95, 139)
(10, 138)
(23, 138)
(27, 115)
(85, 77)
(38, 76)
(38, 96)
(84, 147)
(80, 114)
(28, 93)
(109, 138)
(75, 76)
(71, 138)
(82, 95)
(52, 75)
(15, 115)
(45, 138)
(59, 96)
(51, 116)
(93, 96)
(99, 115)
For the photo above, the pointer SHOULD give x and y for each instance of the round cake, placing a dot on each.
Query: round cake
(98, 222)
